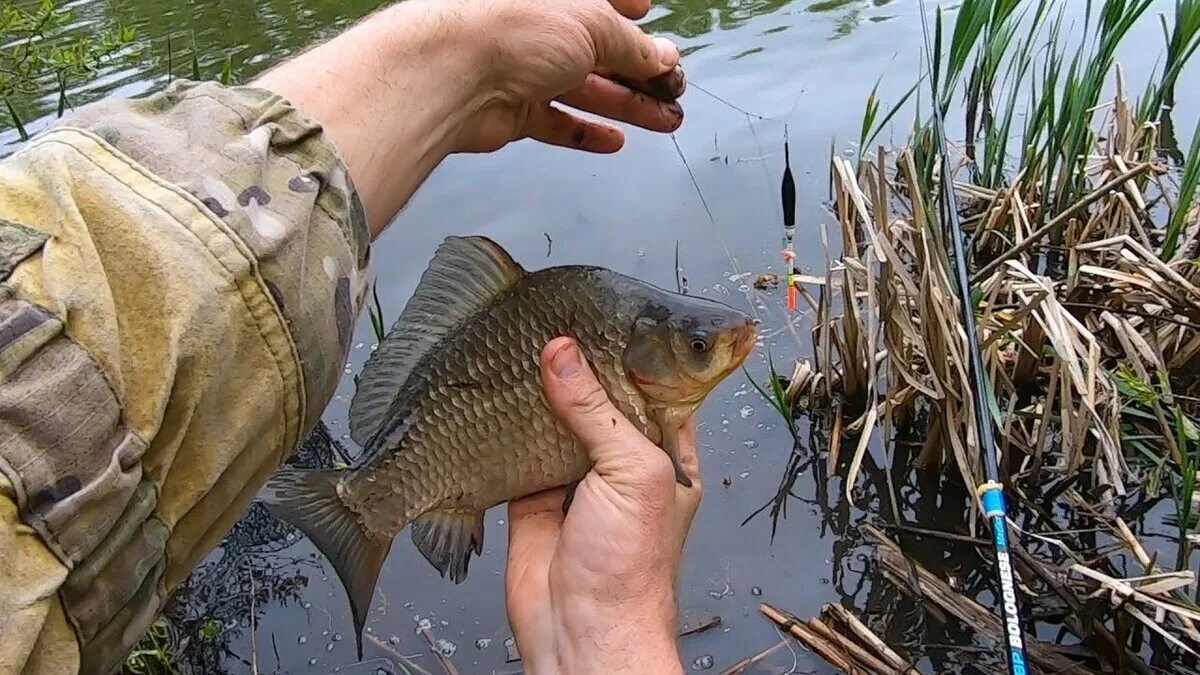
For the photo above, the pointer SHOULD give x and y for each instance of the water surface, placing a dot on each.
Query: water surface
(756, 66)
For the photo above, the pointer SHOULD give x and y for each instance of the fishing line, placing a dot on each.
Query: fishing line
(716, 230)
(991, 492)
(788, 213)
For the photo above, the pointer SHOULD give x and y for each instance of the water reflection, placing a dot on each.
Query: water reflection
(220, 603)
(255, 35)
(693, 18)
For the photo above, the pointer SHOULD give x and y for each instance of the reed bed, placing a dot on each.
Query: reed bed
(1083, 243)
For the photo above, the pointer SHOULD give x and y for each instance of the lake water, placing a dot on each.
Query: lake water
(807, 65)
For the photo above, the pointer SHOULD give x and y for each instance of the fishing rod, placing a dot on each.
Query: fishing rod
(991, 492)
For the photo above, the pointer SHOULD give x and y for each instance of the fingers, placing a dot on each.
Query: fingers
(689, 461)
(624, 48)
(578, 400)
(534, 524)
(616, 101)
(558, 127)
(619, 452)
(688, 499)
(633, 9)
(668, 87)
(537, 506)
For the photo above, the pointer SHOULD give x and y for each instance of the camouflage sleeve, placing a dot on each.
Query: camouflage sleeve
(179, 279)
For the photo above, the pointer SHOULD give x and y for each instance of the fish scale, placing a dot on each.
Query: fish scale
(451, 414)
(477, 471)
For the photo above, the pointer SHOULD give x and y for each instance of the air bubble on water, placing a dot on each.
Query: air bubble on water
(370, 631)
(482, 643)
(500, 522)
(324, 633)
(408, 605)
(744, 475)
(444, 622)
(395, 640)
(424, 624)
(307, 605)
(329, 647)
(724, 423)
(302, 639)
(743, 288)
(755, 591)
(312, 661)
(337, 637)
(641, 253)
(750, 443)
(746, 411)
(703, 662)
(445, 647)
(358, 346)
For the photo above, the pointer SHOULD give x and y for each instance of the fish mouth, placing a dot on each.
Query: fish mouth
(745, 340)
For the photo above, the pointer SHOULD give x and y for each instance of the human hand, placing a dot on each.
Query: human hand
(422, 79)
(576, 53)
(594, 591)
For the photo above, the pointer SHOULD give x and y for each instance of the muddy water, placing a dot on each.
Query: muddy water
(756, 66)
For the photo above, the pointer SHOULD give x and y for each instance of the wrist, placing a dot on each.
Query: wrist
(637, 635)
(392, 95)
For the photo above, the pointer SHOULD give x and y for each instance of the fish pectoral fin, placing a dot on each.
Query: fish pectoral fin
(670, 445)
(309, 501)
(447, 539)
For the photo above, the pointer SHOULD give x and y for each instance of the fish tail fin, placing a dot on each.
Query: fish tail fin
(309, 500)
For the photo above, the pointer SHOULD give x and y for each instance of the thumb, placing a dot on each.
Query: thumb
(622, 46)
(581, 404)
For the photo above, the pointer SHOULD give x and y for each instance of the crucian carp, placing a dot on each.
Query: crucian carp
(451, 415)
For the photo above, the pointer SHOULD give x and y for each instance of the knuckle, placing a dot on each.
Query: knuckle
(590, 401)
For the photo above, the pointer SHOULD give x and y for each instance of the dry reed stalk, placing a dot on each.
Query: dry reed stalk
(809, 639)
(935, 590)
(847, 618)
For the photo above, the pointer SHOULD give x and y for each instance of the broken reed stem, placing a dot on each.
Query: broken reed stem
(806, 637)
(856, 652)
(447, 666)
(860, 629)
(1058, 221)
(745, 663)
(406, 663)
(980, 619)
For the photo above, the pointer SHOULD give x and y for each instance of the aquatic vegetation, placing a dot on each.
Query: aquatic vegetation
(155, 653)
(35, 59)
(1082, 237)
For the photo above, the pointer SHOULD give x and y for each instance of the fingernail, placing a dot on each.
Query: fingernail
(565, 362)
(668, 53)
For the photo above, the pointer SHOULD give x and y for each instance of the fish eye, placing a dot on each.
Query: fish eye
(699, 342)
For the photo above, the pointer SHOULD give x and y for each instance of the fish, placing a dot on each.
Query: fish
(451, 416)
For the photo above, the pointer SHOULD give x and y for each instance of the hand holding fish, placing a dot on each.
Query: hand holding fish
(423, 79)
(594, 591)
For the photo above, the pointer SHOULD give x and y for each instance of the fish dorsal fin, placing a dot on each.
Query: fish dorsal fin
(465, 276)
